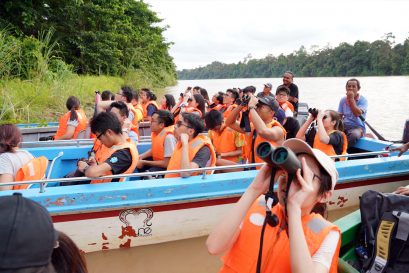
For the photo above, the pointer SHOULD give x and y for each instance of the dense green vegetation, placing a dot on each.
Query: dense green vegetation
(380, 58)
(52, 49)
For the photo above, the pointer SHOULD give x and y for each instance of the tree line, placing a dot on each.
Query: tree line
(109, 37)
(379, 58)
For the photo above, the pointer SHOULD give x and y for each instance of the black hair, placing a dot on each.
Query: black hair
(219, 97)
(282, 88)
(194, 122)
(249, 89)
(354, 80)
(106, 95)
(234, 93)
(105, 121)
(325, 186)
(197, 87)
(122, 107)
(213, 118)
(72, 104)
(128, 93)
(67, 257)
(165, 117)
(149, 94)
(204, 93)
(201, 103)
(170, 101)
(289, 72)
(135, 94)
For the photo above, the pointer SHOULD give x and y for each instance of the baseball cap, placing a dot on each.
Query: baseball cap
(27, 234)
(299, 146)
(269, 101)
(269, 85)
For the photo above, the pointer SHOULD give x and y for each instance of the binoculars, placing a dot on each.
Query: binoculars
(278, 157)
(313, 112)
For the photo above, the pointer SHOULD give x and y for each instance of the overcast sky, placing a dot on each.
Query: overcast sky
(204, 31)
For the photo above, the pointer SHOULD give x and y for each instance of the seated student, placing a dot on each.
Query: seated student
(195, 105)
(12, 158)
(217, 102)
(227, 142)
(282, 95)
(121, 110)
(114, 152)
(163, 143)
(263, 126)
(167, 102)
(192, 150)
(302, 240)
(328, 136)
(149, 105)
(73, 122)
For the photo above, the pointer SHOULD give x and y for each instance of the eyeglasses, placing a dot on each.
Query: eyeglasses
(180, 123)
(100, 135)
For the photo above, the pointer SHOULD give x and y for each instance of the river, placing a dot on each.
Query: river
(387, 96)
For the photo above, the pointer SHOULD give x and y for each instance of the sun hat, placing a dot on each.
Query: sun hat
(27, 234)
(298, 146)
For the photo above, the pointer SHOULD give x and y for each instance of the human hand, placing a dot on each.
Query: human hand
(184, 138)
(253, 100)
(320, 115)
(402, 149)
(261, 182)
(350, 94)
(300, 188)
(402, 190)
(82, 165)
(140, 164)
(92, 161)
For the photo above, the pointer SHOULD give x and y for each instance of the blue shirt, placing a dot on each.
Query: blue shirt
(349, 118)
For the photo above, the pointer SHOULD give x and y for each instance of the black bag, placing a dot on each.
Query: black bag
(378, 209)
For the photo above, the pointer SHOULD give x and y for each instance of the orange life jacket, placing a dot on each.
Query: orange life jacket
(158, 143)
(62, 126)
(328, 149)
(145, 107)
(33, 170)
(242, 257)
(228, 110)
(285, 105)
(224, 142)
(102, 153)
(138, 116)
(249, 153)
(194, 146)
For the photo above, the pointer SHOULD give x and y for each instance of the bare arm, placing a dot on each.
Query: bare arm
(68, 134)
(231, 120)
(304, 127)
(146, 154)
(275, 133)
(185, 164)
(102, 106)
(159, 163)
(97, 170)
(352, 104)
(322, 133)
(6, 178)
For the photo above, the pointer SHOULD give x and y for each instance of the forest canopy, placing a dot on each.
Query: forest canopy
(379, 58)
(107, 37)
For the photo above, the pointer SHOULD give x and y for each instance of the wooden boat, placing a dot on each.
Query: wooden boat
(140, 212)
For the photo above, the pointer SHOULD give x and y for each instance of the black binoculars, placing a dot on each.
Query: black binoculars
(278, 157)
(313, 112)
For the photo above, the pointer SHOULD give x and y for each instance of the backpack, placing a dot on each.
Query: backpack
(383, 244)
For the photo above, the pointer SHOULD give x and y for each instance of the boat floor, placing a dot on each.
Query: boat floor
(183, 256)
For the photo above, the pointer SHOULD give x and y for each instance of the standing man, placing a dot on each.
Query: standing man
(352, 107)
(288, 79)
(266, 91)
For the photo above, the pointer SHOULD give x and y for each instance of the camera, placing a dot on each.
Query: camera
(245, 100)
(313, 112)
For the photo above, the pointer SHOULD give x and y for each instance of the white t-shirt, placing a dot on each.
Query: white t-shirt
(169, 145)
(10, 163)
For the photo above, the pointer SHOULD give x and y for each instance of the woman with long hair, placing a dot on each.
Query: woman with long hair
(326, 134)
(72, 122)
(197, 102)
(168, 102)
(67, 257)
(217, 101)
(295, 238)
(149, 105)
(12, 158)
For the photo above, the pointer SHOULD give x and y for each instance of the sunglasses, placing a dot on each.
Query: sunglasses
(180, 123)
(100, 135)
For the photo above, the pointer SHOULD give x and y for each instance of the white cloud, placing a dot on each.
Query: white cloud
(227, 30)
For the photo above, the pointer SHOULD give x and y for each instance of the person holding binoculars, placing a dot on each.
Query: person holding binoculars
(326, 134)
(288, 234)
(263, 126)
